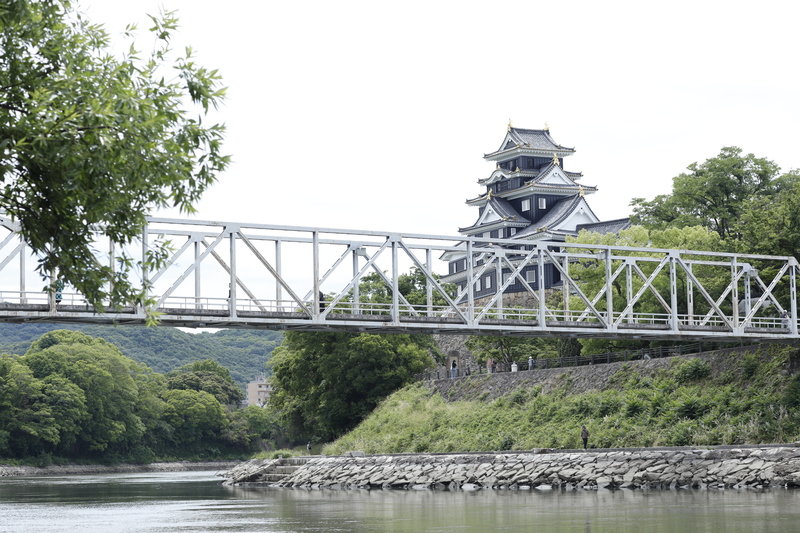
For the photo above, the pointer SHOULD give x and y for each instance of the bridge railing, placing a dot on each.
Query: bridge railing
(227, 274)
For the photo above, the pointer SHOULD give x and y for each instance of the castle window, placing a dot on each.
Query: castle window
(530, 276)
(478, 285)
(512, 231)
(526, 204)
(488, 282)
(506, 275)
(542, 203)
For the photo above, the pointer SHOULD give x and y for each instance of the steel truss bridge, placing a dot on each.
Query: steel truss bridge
(236, 275)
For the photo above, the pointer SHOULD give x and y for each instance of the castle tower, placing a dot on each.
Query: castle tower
(529, 196)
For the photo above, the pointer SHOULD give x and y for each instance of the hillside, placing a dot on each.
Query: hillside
(243, 352)
(746, 397)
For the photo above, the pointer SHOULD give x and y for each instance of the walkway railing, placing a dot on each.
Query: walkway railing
(579, 360)
(226, 274)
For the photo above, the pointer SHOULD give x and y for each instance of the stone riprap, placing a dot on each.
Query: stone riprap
(762, 467)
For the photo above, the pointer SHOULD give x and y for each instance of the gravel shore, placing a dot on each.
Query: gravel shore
(177, 466)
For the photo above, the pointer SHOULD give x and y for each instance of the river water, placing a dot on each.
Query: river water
(196, 501)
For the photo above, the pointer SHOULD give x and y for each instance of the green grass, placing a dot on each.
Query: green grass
(743, 399)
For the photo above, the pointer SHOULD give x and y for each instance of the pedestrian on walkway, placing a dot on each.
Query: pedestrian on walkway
(584, 436)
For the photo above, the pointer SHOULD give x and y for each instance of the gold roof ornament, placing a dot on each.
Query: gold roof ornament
(546, 127)
(581, 193)
(517, 169)
(489, 194)
(509, 124)
(555, 159)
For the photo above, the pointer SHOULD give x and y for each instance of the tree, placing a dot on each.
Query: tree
(209, 376)
(712, 194)
(91, 142)
(324, 384)
(193, 415)
(591, 275)
(510, 349)
(412, 285)
(109, 383)
(770, 225)
(26, 421)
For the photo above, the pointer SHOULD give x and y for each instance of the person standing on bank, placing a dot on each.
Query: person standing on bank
(584, 436)
(454, 369)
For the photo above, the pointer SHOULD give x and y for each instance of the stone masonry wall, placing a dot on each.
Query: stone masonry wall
(582, 378)
(757, 467)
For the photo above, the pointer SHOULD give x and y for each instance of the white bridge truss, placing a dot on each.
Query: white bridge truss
(236, 275)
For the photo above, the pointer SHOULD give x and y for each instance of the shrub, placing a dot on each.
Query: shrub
(750, 366)
(692, 370)
(518, 397)
(690, 406)
(791, 396)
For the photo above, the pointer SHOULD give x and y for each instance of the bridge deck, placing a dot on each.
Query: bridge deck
(235, 275)
(771, 329)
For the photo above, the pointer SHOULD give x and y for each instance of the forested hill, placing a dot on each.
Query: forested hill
(243, 352)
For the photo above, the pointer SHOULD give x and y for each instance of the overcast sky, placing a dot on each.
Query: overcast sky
(376, 115)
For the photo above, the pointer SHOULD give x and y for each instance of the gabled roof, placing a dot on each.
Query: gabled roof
(498, 211)
(562, 178)
(558, 214)
(607, 226)
(532, 139)
(499, 174)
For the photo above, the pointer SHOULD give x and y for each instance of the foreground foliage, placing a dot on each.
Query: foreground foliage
(91, 141)
(748, 400)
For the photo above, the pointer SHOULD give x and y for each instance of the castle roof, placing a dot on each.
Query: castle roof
(558, 215)
(498, 213)
(607, 226)
(538, 141)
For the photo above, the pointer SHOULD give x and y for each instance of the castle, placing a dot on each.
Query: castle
(530, 196)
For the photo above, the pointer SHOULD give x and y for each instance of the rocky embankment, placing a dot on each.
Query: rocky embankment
(755, 467)
(54, 470)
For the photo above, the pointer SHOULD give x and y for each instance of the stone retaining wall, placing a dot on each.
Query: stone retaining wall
(760, 467)
(576, 380)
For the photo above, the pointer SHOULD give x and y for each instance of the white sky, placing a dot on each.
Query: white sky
(376, 115)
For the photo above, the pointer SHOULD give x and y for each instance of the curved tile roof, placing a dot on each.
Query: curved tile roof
(536, 139)
(504, 210)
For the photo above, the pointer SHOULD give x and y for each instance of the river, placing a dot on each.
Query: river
(196, 501)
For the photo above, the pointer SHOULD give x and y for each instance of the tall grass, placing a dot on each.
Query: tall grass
(750, 399)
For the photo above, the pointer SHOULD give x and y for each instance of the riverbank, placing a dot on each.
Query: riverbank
(699, 400)
(668, 468)
(62, 470)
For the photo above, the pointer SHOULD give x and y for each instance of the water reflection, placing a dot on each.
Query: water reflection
(195, 501)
